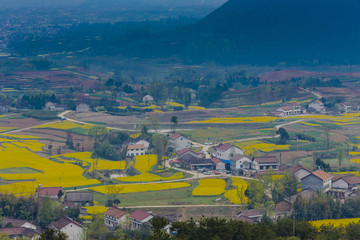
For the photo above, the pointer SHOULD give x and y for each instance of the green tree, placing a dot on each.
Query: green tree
(174, 122)
(50, 211)
(159, 223)
(98, 133)
(52, 234)
(97, 229)
(340, 155)
(160, 143)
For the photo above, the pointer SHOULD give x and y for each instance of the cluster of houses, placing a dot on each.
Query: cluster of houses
(225, 156)
(50, 106)
(289, 109)
(340, 186)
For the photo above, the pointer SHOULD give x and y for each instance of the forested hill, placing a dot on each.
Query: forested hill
(240, 31)
(281, 30)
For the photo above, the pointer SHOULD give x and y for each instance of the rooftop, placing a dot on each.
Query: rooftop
(176, 135)
(223, 147)
(50, 191)
(139, 215)
(322, 175)
(115, 212)
(350, 179)
(297, 168)
(266, 159)
(183, 151)
(136, 146)
(64, 221)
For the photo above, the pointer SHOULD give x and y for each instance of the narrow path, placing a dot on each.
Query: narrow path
(187, 206)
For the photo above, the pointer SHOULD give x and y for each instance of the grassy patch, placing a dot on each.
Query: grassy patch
(42, 115)
(96, 123)
(19, 170)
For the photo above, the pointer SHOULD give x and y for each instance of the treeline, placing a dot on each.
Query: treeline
(324, 206)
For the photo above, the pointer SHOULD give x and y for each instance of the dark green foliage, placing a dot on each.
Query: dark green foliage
(324, 166)
(52, 234)
(104, 150)
(118, 138)
(302, 136)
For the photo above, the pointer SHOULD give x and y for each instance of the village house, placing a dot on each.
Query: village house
(345, 107)
(51, 192)
(19, 223)
(317, 181)
(265, 163)
(250, 216)
(239, 164)
(140, 217)
(289, 109)
(178, 142)
(198, 163)
(72, 229)
(349, 182)
(148, 99)
(139, 141)
(79, 198)
(299, 172)
(284, 207)
(134, 150)
(82, 107)
(115, 217)
(49, 106)
(19, 233)
(226, 151)
(219, 165)
(317, 106)
(187, 154)
(3, 109)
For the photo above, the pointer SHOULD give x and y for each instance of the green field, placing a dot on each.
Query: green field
(19, 170)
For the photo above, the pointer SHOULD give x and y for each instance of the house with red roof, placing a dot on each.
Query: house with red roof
(51, 192)
(115, 217)
(72, 229)
(140, 217)
(187, 154)
(19, 232)
(225, 151)
(178, 142)
(219, 165)
(299, 172)
(317, 181)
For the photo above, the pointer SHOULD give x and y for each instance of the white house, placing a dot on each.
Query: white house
(265, 163)
(317, 181)
(115, 217)
(148, 99)
(300, 172)
(219, 165)
(140, 141)
(345, 107)
(49, 106)
(317, 106)
(82, 107)
(134, 150)
(226, 151)
(140, 217)
(347, 182)
(72, 229)
(178, 142)
(239, 164)
(19, 223)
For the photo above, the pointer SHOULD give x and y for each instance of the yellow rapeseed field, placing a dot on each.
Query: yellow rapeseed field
(51, 174)
(64, 125)
(355, 173)
(354, 153)
(6, 129)
(310, 124)
(135, 135)
(133, 188)
(175, 104)
(335, 222)
(16, 136)
(95, 209)
(32, 145)
(237, 195)
(209, 187)
(143, 164)
(85, 157)
(251, 146)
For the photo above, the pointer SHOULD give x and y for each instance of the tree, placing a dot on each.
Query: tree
(340, 155)
(104, 150)
(159, 223)
(50, 147)
(97, 229)
(174, 121)
(160, 143)
(49, 212)
(52, 234)
(98, 133)
(60, 194)
(284, 135)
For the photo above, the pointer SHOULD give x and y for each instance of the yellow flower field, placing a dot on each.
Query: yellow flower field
(30, 144)
(237, 196)
(16, 136)
(175, 104)
(95, 209)
(209, 187)
(335, 222)
(6, 129)
(64, 125)
(194, 108)
(264, 119)
(133, 188)
(51, 174)
(143, 164)
(354, 153)
(310, 124)
(85, 157)
(355, 173)
(135, 135)
(251, 146)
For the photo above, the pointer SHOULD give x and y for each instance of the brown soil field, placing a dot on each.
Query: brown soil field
(20, 123)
